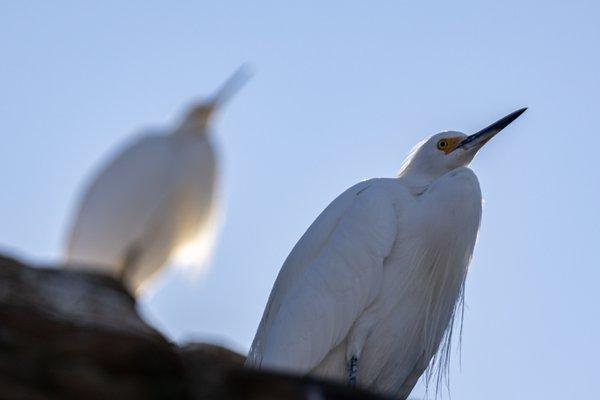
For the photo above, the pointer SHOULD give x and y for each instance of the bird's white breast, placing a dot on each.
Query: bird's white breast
(196, 181)
(197, 201)
(423, 278)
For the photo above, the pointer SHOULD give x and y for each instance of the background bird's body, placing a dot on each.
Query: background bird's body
(152, 199)
(373, 269)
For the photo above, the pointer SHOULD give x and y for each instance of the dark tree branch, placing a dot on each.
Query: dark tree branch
(66, 334)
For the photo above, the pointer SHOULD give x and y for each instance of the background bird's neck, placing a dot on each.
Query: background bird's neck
(192, 128)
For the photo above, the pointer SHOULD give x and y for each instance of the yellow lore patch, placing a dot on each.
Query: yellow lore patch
(448, 144)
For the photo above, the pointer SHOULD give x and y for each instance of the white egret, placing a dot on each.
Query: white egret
(154, 199)
(369, 292)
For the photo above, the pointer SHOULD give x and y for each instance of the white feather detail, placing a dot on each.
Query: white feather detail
(379, 273)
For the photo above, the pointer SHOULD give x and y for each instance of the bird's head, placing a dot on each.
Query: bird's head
(200, 114)
(446, 151)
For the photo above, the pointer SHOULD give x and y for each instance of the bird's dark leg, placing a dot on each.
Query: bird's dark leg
(132, 255)
(352, 371)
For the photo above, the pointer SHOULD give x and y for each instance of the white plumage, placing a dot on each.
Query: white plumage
(154, 199)
(374, 283)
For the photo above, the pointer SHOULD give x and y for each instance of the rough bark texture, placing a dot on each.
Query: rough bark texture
(66, 334)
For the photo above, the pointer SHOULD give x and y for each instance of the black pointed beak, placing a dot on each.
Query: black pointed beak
(480, 138)
(231, 86)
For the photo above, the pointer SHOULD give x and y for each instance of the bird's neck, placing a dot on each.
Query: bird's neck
(192, 128)
(417, 181)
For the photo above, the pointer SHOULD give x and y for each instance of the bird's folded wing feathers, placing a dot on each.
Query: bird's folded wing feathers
(121, 202)
(318, 309)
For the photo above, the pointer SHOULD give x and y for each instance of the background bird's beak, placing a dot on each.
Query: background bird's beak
(476, 140)
(230, 87)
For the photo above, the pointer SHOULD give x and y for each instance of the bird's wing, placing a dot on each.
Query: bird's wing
(121, 204)
(328, 280)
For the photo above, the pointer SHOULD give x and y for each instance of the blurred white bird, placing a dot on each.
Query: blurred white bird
(370, 291)
(155, 199)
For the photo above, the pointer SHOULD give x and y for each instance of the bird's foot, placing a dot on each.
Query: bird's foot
(352, 371)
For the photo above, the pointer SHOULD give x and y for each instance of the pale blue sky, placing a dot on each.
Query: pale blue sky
(341, 93)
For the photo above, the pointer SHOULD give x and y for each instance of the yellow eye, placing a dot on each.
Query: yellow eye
(442, 144)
